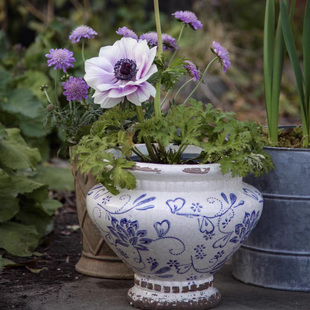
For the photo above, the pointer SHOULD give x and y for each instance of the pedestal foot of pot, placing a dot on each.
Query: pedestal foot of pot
(101, 268)
(164, 295)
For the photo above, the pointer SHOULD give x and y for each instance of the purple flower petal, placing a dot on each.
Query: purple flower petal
(189, 18)
(60, 58)
(75, 89)
(82, 32)
(192, 70)
(127, 33)
(222, 55)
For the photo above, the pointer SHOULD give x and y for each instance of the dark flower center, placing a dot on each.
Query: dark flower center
(125, 69)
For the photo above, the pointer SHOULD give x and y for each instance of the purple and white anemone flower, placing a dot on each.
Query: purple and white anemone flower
(121, 71)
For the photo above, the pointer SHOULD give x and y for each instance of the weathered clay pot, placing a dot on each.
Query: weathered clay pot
(97, 259)
(175, 230)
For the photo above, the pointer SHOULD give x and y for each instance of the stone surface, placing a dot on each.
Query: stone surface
(100, 294)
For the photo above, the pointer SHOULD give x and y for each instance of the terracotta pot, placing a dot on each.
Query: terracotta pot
(97, 259)
(175, 230)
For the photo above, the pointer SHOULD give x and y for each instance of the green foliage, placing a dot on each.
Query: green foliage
(106, 151)
(25, 209)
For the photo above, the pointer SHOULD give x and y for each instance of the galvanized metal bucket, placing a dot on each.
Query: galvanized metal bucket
(277, 253)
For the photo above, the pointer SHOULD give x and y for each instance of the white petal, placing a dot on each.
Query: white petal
(106, 102)
(122, 91)
(142, 94)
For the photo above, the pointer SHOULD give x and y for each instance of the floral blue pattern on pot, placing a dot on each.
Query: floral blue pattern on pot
(211, 233)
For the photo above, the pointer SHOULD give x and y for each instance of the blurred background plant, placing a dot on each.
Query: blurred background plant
(30, 28)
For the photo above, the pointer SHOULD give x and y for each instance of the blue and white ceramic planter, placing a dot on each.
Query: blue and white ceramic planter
(175, 230)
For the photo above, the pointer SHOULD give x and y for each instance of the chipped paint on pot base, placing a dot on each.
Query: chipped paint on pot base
(164, 295)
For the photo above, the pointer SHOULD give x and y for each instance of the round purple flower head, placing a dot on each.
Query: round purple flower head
(169, 43)
(121, 71)
(75, 89)
(127, 33)
(82, 32)
(60, 58)
(222, 55)
(189, 18)
(192, 70)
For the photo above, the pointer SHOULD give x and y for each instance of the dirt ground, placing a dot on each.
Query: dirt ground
(60, 252)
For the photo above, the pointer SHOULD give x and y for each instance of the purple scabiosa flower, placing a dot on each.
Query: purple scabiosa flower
(127, 33)
(121, 71)
(192, 70)
(189, 18)
(60, 58)
(169, 43)
(82, 32)
(75, 89)
(150, 37)
(222, 55)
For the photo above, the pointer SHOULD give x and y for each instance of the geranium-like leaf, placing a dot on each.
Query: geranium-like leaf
(15, 153)
(18, 239)
(9, 207)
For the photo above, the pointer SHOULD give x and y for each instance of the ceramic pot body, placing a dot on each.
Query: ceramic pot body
(281, 261)
(175, 230)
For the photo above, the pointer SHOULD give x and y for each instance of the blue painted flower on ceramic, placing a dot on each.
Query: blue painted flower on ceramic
(208, 236)
(127, 234)
(196, 207)
(173, 263)
(243, 229)
(199, 249)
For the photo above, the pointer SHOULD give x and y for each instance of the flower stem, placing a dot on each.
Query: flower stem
(83, 48)
(147, 141)
(159, 53)
(187, 82)
(56, 84)
(179, 39)
(201, 79)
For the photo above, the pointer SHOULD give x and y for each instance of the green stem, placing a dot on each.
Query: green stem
(147, 141)
(158, 29)
(179, 39)
(159, 53)
(200, 81)
(180, 151)
(47, 97)
(187, 82)
(83, 48)
(56, 86)
(165, 98)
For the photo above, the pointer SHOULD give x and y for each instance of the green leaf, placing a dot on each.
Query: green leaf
(23, 101)
(2, 45)
(33, 80)
(5, 77)
(7, 187)
(291, 49)
(30, 217)
(24, 184)
(50, 206)
(18, 239)
(33, 127)
(9, 207)
(3, 133)
(15, 154)
(5, 262)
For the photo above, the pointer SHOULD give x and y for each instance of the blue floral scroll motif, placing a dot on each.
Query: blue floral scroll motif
(255, 194)
(127, 233)
(243, 229)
